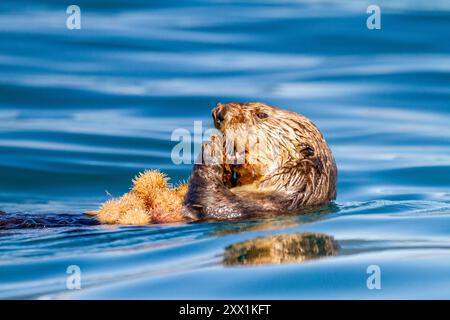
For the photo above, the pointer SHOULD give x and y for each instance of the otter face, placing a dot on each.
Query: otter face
(247, 159)
(270, 149)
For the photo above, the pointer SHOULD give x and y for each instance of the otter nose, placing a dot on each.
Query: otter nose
(219, 115)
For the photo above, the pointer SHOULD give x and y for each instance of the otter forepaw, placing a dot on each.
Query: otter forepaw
(212, 151)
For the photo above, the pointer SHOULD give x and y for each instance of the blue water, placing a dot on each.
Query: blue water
(83, 111)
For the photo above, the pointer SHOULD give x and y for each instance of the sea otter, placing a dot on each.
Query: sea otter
(285, 166)
(263, 160)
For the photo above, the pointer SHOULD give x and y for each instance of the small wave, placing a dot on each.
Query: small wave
(13, 221)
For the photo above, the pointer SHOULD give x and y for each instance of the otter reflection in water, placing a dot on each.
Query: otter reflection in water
(278, 249)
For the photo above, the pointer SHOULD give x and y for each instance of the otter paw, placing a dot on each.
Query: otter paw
(212, 152)
(210, 165)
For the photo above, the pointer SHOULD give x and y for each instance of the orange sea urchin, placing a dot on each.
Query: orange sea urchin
(149, 201)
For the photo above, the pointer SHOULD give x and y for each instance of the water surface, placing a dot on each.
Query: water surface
(83, 111)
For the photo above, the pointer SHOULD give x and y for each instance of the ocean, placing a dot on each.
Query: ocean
(82, 111)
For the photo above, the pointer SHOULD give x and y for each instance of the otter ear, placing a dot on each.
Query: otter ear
(214, 111)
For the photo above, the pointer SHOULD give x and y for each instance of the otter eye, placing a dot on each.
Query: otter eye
(262, 115)
(307, 151)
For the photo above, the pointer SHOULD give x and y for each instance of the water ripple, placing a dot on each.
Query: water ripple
(83, 111)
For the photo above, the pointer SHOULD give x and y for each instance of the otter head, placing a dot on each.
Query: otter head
(268, 149)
